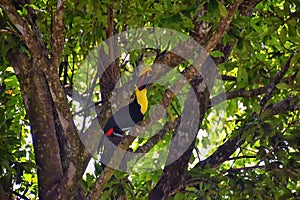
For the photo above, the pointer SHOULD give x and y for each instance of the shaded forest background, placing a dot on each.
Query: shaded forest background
(253, 153)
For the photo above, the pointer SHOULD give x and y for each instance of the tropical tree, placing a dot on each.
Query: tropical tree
(246, 141)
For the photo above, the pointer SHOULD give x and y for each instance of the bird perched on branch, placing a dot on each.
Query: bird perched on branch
(128, 116)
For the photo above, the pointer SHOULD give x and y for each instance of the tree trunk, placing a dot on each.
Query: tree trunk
(58, 176)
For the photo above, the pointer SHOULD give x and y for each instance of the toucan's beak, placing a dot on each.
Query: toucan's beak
(143, 80)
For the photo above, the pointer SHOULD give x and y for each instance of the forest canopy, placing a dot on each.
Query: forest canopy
(224, 73)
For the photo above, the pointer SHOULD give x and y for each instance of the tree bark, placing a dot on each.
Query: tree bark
(60, 156)
(39, 108)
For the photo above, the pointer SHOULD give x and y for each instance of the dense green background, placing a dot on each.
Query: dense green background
(266, 164)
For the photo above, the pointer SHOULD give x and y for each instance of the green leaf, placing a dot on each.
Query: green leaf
(298, 78)
(217, 53)
(179, 196)
(84, 185)
(283, 34)
(253, 23)
(222, 9)
(212, 9)
(283, 86)
(286, 195)
(242, 77)
(295, 61)
(33, 6)
(89, 180)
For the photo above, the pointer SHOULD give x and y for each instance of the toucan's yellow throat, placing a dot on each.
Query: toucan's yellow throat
(141, 97)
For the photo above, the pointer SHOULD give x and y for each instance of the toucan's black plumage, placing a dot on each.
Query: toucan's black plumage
(126, 117)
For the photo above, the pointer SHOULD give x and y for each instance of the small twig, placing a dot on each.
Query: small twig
(240, 157)
(228, 78)
(198, 152)
(232, 164)
(273, 83)
(11, 32)
(20, 195)
(88, 107)
(246, 168)
(191, 183)
(173, 107)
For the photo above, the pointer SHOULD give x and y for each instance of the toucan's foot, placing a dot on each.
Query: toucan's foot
(118, 135)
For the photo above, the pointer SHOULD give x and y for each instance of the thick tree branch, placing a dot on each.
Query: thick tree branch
(247, 6)
(173, 59)
(253, 93)
(237, 93)
(27, 33)
(223, 27)
(223, 152)
(58, 35)
(228, 148)
(289, 104)
(3, 193)
(72, 155)
(158, 137)
(189, 74)
(175, 172)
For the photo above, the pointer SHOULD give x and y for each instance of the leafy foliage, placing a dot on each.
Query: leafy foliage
(258, 58)
(17, 166)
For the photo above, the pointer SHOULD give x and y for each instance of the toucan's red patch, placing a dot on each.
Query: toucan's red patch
(109, 132)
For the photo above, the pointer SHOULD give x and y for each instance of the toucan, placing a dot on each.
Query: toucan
(128, 116)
